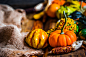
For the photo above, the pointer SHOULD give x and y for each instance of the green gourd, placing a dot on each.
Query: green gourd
(82, 34)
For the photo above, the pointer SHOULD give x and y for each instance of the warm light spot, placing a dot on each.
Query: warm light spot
(36, 39)
(42, 36)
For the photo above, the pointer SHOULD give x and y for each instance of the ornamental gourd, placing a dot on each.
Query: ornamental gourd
(37, 39)
(83, 4)
(68, 10)
(62, 37)
(51, 11)
(70, 25)
(82, 34)
(81, 22)
(73, 4)
(60, 2)
(69, 7)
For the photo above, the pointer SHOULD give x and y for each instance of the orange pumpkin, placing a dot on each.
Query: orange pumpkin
(83, 4)
(58, 39)
(60, 2)
(51, 12)
(62, 37)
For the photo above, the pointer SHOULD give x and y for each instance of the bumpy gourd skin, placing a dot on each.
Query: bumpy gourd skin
(70, 25)
(37, 39)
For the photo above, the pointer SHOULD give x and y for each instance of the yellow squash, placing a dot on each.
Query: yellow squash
(37, 39)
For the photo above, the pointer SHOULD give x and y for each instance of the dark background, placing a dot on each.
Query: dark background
(21, 3)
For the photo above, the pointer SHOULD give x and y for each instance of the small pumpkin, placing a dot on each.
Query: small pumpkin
(82, 34)
(37, 39)
(60, 2)
(61, 38)
(51, 11)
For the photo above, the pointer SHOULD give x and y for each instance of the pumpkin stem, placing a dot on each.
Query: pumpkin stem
(62, 30)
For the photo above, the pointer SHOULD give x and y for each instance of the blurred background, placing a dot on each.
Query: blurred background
(21, 3)
(24, 3)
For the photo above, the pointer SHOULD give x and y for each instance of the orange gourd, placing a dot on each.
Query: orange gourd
(62, 37)
(60, 2)
(51, 12)
(83, 4)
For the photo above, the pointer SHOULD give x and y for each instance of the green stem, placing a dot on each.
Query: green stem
(62, 30)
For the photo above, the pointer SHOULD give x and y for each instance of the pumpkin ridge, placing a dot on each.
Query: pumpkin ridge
(75, 38)
(73, 34)
(62, 40)
(39, 38)
(57, 40)
(28, 34)
(43, 39)
(54, 39)
(39, 42)
(58, 44)
(33, 38)
(45, 44)
(29, 38)
(71, 37)
(68, 40)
